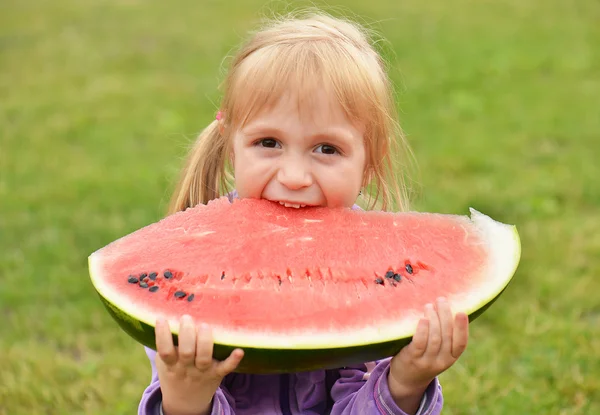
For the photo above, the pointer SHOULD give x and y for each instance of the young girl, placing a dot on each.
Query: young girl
(307, 119)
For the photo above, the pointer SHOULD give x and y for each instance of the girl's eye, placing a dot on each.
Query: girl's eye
(327, 149)
(269, 143)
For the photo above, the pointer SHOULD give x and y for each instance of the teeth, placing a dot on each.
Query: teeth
(294, 205)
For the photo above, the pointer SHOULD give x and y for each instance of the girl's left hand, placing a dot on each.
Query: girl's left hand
(437, 344)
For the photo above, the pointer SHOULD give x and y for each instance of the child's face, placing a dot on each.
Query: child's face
(313, 157)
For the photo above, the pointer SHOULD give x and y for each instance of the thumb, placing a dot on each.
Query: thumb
(230, 364)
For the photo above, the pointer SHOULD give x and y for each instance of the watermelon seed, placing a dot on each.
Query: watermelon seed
(191, 297)
(379, 281)
(409, 268)
(389, 274)
(279, 278)
(143, 275)
(168, 274)
(180, 294)
(132, 280)
(154, 288)
(143, 285)
(152, 275)
(223, 276)
(397, 277)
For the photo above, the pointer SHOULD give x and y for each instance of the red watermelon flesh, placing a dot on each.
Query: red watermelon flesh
(266, 276)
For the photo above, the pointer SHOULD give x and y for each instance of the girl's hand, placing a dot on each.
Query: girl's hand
(188, 374)
(437, 344)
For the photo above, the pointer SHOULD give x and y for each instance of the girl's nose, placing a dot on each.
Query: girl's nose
(294, 174)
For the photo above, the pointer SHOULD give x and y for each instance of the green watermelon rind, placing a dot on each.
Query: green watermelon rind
(266, 358)
(260, 360)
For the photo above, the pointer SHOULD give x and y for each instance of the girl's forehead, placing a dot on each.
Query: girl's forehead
(317, 106)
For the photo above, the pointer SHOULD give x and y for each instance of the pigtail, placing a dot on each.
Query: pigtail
(204, 176)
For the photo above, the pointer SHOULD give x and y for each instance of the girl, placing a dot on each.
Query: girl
(307, 119)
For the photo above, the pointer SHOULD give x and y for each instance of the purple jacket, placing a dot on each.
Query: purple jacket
(358, 390)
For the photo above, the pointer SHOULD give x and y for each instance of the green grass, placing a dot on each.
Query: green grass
(98, 101)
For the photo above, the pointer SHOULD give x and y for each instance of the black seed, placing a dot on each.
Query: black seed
(154, 288)
(143, 275)
(379, 281)
(389, 274)
(143, 285)
(397, 277)
(222, 276)
(409, 268)
(168, 274)
(152, 275)
(132, 280)
(180, 294)
(191, 297)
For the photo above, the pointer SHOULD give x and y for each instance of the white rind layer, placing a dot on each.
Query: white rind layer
(504, 255)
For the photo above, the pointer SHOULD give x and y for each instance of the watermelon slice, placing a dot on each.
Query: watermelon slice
(302, 289)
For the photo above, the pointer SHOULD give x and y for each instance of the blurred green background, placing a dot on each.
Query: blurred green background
(100, 99)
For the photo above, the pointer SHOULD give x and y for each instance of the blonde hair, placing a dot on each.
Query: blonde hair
(304, 52)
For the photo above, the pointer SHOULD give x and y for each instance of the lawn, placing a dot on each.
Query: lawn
(99, 100)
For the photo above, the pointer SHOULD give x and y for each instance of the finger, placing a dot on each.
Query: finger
(446, 325)
(187, 341)
(204, 348)
(460, 335)
(228, 365)
(419, 340)
(435, 337)
(164, 342)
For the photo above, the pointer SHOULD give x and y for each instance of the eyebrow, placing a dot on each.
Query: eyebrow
(269, 130)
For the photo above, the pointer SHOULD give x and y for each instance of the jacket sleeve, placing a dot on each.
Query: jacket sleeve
(364, 390)
(151, 402)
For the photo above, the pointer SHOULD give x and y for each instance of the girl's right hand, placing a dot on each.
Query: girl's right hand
(188, 374)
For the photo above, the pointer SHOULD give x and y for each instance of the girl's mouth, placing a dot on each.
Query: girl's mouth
(292, 205)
